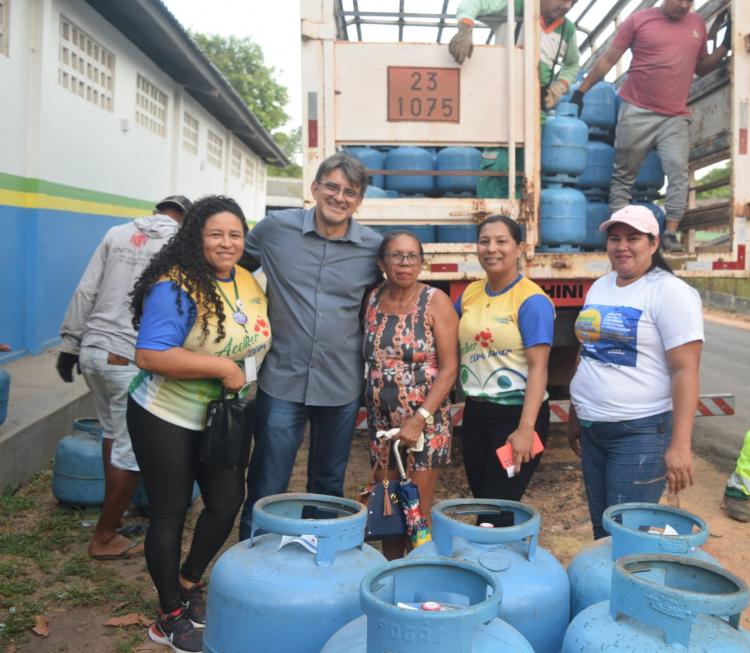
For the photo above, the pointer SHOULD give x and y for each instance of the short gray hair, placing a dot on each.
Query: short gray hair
(351, 168)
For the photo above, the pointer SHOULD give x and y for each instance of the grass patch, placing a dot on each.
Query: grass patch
(18, 619)
(130, 644)
(79, 566)
(12, 504)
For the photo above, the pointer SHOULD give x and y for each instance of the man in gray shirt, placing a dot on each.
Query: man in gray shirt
(97, 333)
(319, 262)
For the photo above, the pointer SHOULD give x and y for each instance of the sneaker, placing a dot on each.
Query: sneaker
(176, 631)
(194, 604)
(737, 505)
(670, 243)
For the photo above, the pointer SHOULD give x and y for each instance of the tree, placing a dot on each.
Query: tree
(241, 61)
(715, 175)
(291, 145)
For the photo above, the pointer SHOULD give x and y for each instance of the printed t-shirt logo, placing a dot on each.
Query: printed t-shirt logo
(609, 334)
(484, 338)
(138, 240)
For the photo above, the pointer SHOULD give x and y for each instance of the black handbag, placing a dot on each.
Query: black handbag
(385, 514)
(228, 433)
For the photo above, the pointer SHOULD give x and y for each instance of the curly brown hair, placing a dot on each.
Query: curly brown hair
(183, 262)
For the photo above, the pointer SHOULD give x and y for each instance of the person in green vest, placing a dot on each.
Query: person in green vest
(737, 492)
(558, 65)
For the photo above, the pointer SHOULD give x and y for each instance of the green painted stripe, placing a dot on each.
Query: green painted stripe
(27, 185)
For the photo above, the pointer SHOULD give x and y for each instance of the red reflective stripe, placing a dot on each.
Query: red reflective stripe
(739, 264)
(723, 406)
(457, 414)
(703, 409)
(559, 411)
(312, 133)
(444, 267)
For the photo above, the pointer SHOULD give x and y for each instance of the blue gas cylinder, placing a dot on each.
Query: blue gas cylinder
(4, 394)
(280, 592)
(371, 159)
(78, 476)
(428, 606)
(562, 220)
(629, 524)
(650, 176)
(600, 110)
(596, 213)
(457, 158)
(374, 191)
(564, 140)
(456, 233)
(409, 158)
(664, 603)
(661, 218)
(536, 590)
(596, 179)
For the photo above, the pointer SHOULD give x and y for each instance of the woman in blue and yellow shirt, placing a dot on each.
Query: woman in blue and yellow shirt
(203, 326)
(505, 335)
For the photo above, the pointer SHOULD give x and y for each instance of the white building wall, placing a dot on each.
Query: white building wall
(17, 76)
(48, 132)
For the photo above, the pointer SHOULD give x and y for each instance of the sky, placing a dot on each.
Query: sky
(274, 26)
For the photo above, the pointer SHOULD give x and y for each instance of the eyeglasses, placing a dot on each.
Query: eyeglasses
(400, 257)
(334, 189)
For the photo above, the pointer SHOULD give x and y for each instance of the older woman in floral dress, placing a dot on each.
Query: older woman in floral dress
(410, 346)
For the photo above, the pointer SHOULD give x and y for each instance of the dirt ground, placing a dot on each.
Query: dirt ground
(44, 569)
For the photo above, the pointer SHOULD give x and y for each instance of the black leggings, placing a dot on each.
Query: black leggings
(168, 458)
(486, 426)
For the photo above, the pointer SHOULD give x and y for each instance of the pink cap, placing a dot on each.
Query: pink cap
(639, 217)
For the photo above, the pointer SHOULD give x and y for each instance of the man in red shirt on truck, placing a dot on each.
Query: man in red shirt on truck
(668, 44)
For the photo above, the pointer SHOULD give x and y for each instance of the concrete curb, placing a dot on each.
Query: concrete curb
(41, 410)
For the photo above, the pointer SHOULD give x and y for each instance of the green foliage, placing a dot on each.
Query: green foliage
(241, 61)
(10, 504)
(715, 175)
(291, 145)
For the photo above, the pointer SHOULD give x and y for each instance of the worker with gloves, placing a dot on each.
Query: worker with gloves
(558, 43)
(558, 66)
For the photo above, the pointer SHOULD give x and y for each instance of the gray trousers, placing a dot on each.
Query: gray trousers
(638, 132)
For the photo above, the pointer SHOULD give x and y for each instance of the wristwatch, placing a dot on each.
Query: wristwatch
(429, 420)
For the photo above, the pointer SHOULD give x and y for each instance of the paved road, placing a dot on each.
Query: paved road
(725, 367)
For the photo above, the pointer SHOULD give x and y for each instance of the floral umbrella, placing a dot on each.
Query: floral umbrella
(408, 493)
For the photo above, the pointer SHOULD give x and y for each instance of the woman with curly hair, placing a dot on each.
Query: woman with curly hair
(202, 320)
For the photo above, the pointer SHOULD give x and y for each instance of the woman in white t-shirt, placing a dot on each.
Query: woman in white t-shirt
(635, 391)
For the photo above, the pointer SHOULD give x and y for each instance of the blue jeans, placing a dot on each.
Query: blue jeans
(279, 431)
(623, 462)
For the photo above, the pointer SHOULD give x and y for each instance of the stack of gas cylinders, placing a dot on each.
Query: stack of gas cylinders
(562, 212)
(600, 111)
(577, 162)
(306, 582)
(421, 160)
